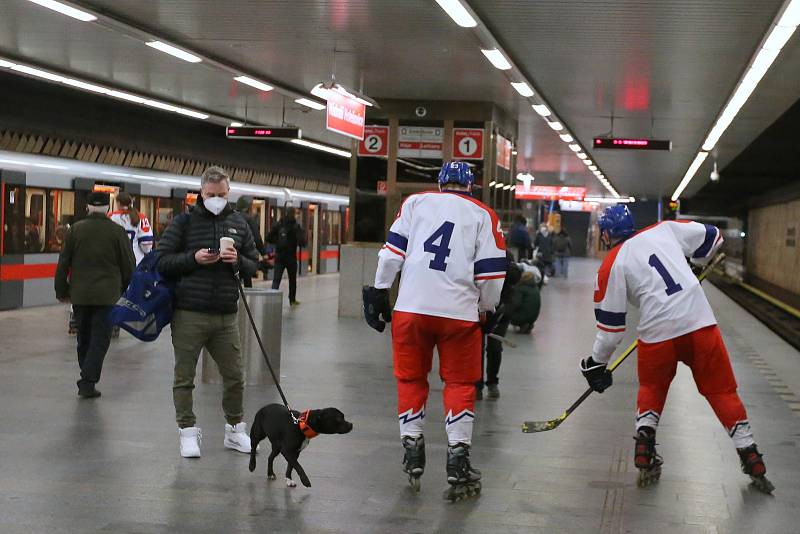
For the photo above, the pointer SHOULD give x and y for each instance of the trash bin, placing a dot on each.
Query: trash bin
(266, 305)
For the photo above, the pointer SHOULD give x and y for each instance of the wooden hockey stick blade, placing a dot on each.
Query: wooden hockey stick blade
(503, 340)
(530, 427)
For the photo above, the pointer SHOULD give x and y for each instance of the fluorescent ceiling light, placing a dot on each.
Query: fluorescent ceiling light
(313, 104)
(174, 51)
(498, 185)
(254, 83)
(567, 138)
(506, 187)
(764, 59)
(791, 17)
(38, 73)
(6, 64)
(86, 86)
(592, 168)
(690, 172)
(597, 173)
(581, 155)
(126, 96)
(522, 88)
(513, 152)
(237, 124)
(65, 10)
(175, 109)
(458, 13)
(497, 59)
(323, 148)
(587, 162)
(575, 147)
(555, 125)
(322, 90)
(513, 188)
(491, 184)
(541, 109)
(778, 37)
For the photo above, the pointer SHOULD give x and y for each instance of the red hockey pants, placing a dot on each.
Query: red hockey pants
(703, 351)
(459, 345)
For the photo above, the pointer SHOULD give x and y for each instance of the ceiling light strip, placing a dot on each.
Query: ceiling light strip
(323, 148)
(690, 172)
(173, 51)
(456, 11)
(64, 9)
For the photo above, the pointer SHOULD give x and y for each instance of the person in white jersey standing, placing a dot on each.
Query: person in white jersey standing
(450, 253)
(135, 225)
(649, 270)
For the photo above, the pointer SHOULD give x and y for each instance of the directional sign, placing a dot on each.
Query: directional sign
(549, 192)
(345, 115)
(468, 143)
(375, 143)
(420, 142)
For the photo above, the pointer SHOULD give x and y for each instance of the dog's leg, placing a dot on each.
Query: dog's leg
(256, 435)
(291, 459)
(271, 460)
(289, 482)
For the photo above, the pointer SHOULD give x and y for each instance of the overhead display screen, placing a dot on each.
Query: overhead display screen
(622, 143)
(261, 133)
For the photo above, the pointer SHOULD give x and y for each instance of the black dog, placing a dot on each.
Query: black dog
(274, 423)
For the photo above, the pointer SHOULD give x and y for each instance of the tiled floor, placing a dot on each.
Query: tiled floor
(112, 464)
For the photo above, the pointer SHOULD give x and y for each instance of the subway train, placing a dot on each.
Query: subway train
(40, 197)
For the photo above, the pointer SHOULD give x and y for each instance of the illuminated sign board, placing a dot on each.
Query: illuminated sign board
(549, 192)
(620, 143)
(261, 133)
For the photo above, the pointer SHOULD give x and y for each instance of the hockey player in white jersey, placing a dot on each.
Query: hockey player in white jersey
(450, 253)
(649, 270)
(135, 225)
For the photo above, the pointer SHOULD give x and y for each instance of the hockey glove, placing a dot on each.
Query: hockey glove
(491, 319)
(596, 374)
(377, 311)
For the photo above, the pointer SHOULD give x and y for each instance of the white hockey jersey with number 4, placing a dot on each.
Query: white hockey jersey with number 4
(452, 255)
(649, 270)
(141, 236)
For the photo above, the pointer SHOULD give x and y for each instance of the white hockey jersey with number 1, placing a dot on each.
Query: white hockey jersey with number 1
(141, 236)
(452, 255)
(649, 270)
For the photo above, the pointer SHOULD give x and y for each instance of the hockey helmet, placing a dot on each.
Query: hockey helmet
(617, 220)
(456, 172)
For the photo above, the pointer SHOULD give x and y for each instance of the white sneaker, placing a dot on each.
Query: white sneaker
(190, 441)
(236, 438)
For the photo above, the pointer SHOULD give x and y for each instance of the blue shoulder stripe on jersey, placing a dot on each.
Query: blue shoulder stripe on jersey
(609, 318)
(397, 241)
(146, 238)
(708, 242)
(491, 265)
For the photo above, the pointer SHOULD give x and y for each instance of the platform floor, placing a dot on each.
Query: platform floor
(112, 464)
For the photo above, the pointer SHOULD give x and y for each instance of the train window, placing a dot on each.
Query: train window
(13, 236)
(35, 206)
(60, 216)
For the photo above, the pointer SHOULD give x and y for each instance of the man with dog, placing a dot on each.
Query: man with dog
(451, 255)
(202, 250)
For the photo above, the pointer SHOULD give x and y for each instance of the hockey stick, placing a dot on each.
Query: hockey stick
(530, 427)
(502, 339)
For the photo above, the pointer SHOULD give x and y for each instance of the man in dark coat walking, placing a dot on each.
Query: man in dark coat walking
(94, 268)
(287, 236)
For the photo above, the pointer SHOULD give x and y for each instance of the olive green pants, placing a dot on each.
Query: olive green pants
(219, 333)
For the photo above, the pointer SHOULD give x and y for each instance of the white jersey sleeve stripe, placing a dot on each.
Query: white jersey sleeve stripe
(712, 236)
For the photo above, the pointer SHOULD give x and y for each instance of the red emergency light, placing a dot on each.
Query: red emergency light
(632, 144)
(261, 133)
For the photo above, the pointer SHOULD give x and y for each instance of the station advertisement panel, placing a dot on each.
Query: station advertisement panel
(345, 115)
(503, 152)
(375, 142)
(549, 192)
(420, 142)
(468, 143)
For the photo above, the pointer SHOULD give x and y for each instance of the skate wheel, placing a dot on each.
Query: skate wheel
(763, 484)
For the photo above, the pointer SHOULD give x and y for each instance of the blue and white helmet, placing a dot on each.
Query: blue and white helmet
(456, 172)
(617, 221)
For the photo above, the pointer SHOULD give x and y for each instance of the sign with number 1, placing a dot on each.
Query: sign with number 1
(467, 143)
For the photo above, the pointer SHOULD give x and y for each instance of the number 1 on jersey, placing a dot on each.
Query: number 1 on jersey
(440, 252)
(672, 287)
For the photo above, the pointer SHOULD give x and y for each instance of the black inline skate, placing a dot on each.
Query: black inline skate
(464, 480)
(645, 457)
(414, 459)
(753, 465)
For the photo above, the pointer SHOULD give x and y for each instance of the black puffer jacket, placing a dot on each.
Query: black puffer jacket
(206, 288)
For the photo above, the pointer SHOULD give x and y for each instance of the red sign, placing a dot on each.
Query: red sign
(468, 143)
(382, 187)
(375, 142)
(503, 152)
(549, 192)
(345, 115)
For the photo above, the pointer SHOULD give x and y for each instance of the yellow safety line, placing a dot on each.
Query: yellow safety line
(772, 300)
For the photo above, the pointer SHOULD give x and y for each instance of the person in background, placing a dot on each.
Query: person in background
(136, 226)
(543, 242)
(526, 301)
(519, 238)
(206, 305)
(287, 236)
(562, 250)
(32, 236)
(499, 326)
(244, 206)
(94, 268)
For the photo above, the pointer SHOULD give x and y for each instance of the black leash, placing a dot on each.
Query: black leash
(261, 343)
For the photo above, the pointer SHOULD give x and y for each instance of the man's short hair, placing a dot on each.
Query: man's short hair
(214, 175)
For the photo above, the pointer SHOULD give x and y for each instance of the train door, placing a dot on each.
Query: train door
(313, 238)
(260, 211)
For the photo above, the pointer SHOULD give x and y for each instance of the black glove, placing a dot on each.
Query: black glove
(492, 318)
(377, 310)
(596, 374)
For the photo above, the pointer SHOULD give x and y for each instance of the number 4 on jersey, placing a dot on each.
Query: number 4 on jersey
(441, 251)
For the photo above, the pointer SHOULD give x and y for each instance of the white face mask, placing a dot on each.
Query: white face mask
(215, 204)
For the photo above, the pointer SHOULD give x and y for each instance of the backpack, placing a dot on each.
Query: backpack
(146, 306)
(282, 243)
